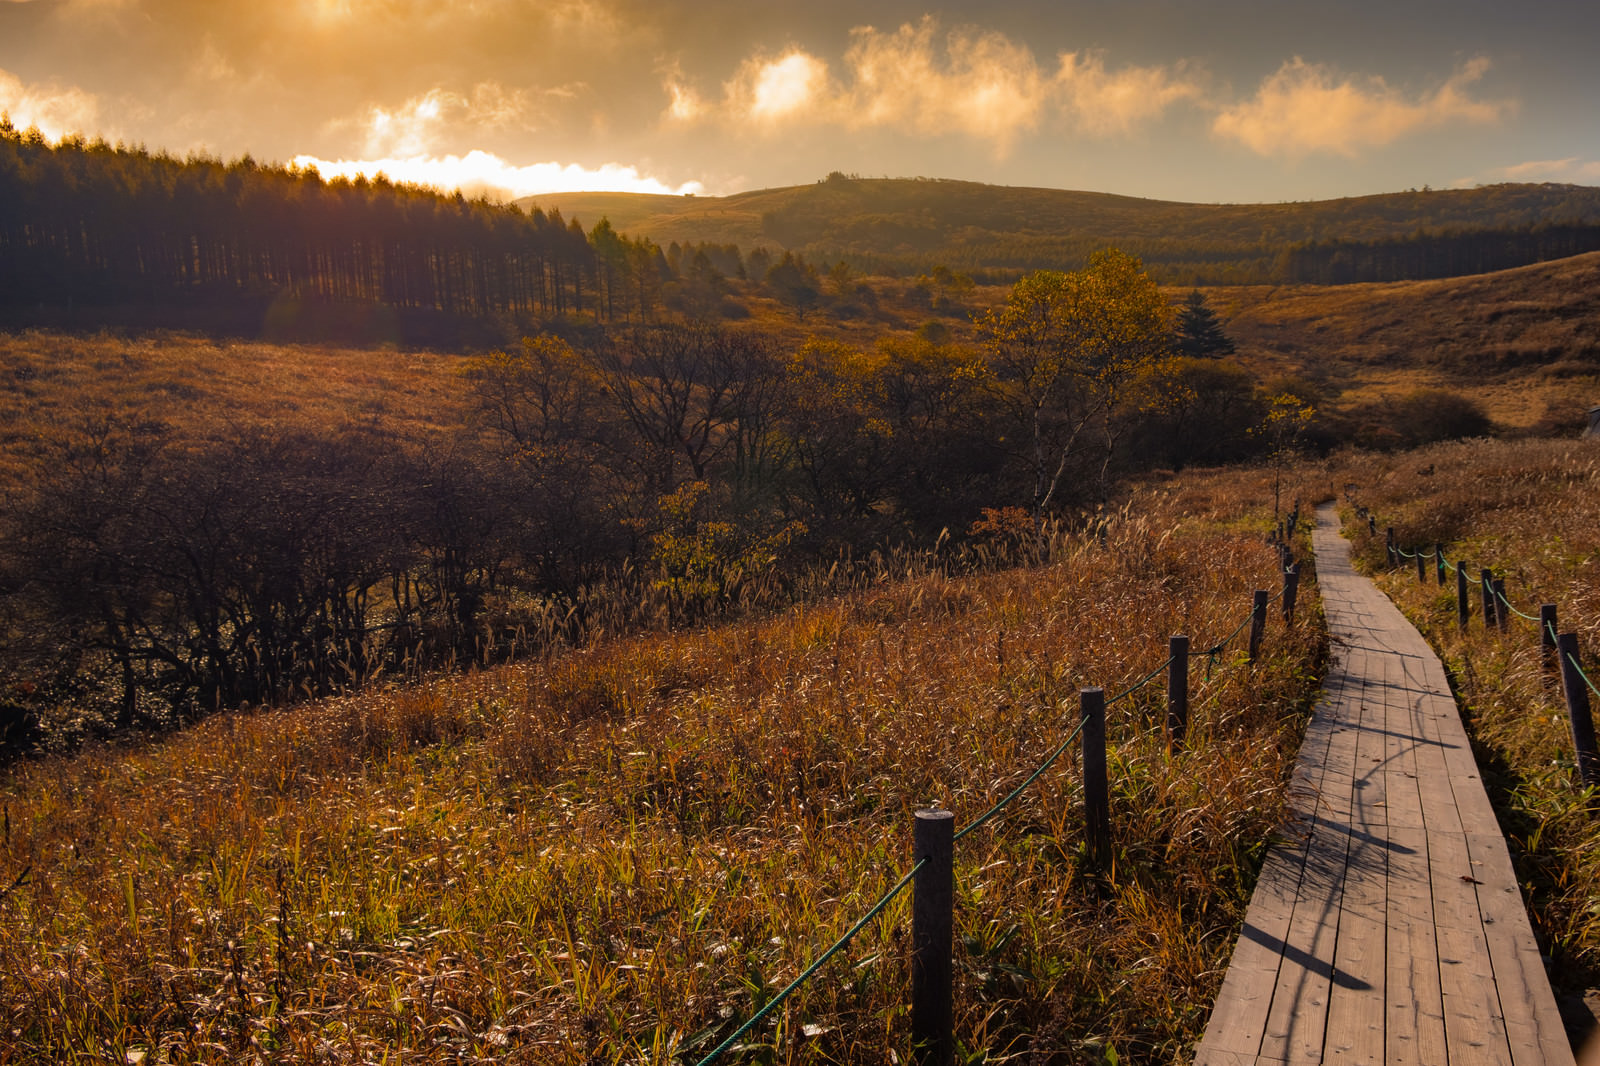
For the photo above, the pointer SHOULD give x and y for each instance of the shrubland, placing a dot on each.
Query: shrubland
(613, 853)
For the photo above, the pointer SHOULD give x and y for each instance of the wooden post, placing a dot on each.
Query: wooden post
(1502, 608)
(1258, 622)
(932, 929)
(1422, 567)
(1547, 634)
(1462, 602)
(1388, 542)
(1486, 580)
(1291, 590)
(1438, 563)
(1177, 691)
(1096, 788)
(1372, 525)
(1578, 709)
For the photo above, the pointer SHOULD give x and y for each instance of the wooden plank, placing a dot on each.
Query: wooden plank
(1533, 1023)
(1297, 1022)
(1474, 1028)
(1239, 1018)
(1394, 929)
(1356, 1016)
(1414, 1010)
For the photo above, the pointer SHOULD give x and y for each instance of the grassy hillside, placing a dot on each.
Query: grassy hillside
(1525, 343)
(914, 223)
(614, 854)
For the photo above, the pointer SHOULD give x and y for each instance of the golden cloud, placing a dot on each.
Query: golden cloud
(54, 111)
(1305, 107)
(418, 126)
(978, 83)
(480, 173)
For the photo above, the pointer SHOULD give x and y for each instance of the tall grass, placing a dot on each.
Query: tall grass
(613, 854)
(1531, 512)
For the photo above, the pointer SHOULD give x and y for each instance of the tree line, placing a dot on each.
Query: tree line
(1426, 255)
(103, 226)
(639, 473)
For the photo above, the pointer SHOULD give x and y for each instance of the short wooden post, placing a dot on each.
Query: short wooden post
(1291, 589)
(932, 929)
(1547, 634)
(1422, 566)
(1388, 542)
(1502, 607)
(1438, 563)
(1462, 602)
(1578, 709)
(1372, 525)
(1490, 608)
(1096, 788)
(1177, 691)
(1258, 622)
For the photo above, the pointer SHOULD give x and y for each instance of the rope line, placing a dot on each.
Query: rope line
(877, 908)
(772, 1004)
(1501, 597)
(1141, 683)
(1573, 659)
(998, 807)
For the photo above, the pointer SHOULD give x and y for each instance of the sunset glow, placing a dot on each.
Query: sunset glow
(1148, 99)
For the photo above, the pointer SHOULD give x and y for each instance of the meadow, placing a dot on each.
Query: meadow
(613, 853)
(1530, 512)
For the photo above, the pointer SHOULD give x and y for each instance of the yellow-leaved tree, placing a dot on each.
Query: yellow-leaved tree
(1065, 352)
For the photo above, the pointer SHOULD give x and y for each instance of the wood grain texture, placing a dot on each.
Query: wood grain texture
(1387, 926)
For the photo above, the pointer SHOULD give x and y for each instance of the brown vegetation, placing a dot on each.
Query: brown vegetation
(613, 854)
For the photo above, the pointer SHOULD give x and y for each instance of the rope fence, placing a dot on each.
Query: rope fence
(931, 878)
(1560, 650)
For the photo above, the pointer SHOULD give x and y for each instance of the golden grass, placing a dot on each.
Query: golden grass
(1531, 512)
(1520, 342)
(611, 855)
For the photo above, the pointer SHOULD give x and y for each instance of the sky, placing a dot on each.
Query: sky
(1230, 101)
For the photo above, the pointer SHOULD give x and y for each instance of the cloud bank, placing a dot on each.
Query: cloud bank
(480, 173)
(1306, 108)
(922, 81)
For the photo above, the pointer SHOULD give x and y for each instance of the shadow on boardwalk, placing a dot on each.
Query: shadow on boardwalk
(1387, 926)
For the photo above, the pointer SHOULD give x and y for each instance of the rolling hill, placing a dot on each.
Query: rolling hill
(993, 231)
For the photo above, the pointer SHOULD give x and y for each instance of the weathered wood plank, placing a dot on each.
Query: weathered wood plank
(1388, 925)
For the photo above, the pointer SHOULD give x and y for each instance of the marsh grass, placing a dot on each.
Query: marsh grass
(614, 853)
(1530, 511)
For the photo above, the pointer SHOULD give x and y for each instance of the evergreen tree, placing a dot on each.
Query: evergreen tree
(1200, 336)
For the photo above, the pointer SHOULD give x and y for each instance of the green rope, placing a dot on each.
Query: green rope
(1573, 659)
(1141, 683)
(998, 807)
(1501, 597)
(772, 1003)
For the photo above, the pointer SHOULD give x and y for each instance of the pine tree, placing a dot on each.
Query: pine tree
(1200, 336)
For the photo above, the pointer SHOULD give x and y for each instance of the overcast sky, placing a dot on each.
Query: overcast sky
(1230, 101)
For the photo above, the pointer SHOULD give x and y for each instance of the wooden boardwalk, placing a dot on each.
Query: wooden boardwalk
(1387, 926)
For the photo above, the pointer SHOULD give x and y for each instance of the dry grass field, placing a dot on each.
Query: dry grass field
(1530, 511)
(1523, 343)
(613, 854)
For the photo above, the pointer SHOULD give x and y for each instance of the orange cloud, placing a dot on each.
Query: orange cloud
(917, 79)
(1306, 108)
(54, 111)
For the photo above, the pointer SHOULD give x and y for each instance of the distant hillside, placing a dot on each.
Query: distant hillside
(1523, 342)
(994, 232)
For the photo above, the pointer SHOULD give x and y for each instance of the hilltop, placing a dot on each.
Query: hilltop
(909, 224)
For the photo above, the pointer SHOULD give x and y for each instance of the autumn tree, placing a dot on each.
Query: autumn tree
(1063, 353)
